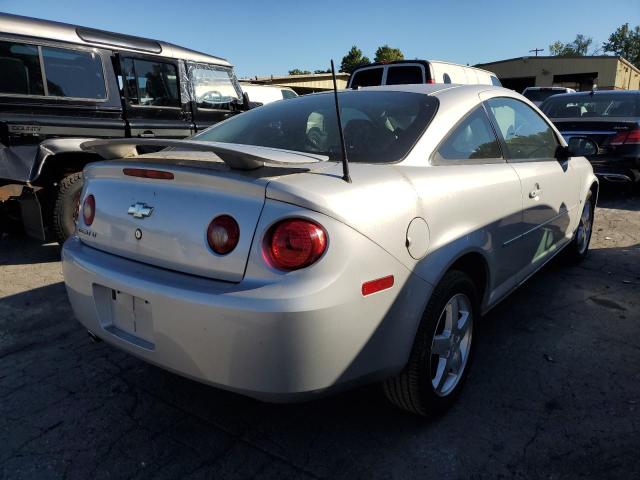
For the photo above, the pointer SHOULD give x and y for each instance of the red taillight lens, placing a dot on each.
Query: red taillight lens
(295, 243)
(223, 234)
(89, 210)
(630, 137)
(146, 173)
(431, 80)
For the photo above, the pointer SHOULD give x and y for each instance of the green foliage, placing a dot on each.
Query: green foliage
(328, 70)
(352, 60)
(297, 71)
(625, 42)
(578, 48)
(387, 54)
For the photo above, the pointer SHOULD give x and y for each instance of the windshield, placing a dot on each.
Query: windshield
(596, 106)
(379, 127)
(541, 95)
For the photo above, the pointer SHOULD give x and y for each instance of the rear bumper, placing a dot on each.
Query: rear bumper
(274, 343)
(616, 169)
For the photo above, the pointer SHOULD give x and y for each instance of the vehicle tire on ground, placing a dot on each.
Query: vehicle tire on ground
(442, 351)
(65, 210)
(578, 249)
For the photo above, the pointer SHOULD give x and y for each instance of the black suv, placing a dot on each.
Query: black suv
(62, 84)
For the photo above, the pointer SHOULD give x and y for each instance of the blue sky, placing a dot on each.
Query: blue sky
(272, 37)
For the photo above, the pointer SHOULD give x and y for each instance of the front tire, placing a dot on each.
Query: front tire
(442, 351)
(67, 204)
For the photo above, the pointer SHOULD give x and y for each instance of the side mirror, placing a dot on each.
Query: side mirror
(582, 147)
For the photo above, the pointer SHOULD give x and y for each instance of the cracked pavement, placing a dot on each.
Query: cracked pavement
(554, 391)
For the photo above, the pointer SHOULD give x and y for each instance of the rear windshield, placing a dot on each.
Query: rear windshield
(379, 127)
(369, 77)
(403, 75)
(596, 106)
(540, 95)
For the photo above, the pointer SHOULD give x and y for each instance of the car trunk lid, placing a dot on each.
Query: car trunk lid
(163, 221)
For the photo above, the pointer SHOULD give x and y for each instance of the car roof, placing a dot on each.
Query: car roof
(598, 93)
(28, 26)
(437, 88)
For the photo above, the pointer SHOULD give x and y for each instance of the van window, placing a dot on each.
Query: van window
(71, 73)
(20, 67)
(151, 83)
(405, 74)
(213, 86)
(369, 77)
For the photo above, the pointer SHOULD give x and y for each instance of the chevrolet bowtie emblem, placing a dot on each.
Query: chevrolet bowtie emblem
(140, 210)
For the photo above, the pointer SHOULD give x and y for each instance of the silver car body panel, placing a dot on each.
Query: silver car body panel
(277, 335)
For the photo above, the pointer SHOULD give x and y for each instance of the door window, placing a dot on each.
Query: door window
(72, 73)
(405, 74)
(20, 67)
(526, 135)
(473, 139)
(151, 84)
(213, 86)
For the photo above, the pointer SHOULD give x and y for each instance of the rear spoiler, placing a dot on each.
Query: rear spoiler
(236, 156)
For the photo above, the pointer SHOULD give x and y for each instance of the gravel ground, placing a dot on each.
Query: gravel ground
(554, 392)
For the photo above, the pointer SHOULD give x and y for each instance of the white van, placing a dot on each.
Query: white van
(403, 72)
(266, 93)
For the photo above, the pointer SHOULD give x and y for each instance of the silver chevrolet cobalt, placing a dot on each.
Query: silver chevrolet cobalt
(254, 258)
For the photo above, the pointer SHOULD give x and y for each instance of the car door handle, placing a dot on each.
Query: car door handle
(147, 134)
(535, 192)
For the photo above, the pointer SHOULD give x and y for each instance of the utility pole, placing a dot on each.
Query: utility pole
(537, 50)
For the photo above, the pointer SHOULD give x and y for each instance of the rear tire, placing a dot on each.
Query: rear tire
(65, 210)
(442, 351)
(578, 249)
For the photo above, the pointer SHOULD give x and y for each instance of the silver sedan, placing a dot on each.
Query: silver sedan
(248, 259)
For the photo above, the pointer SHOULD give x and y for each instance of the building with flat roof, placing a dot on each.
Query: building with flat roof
(302, 84)
(579, 73)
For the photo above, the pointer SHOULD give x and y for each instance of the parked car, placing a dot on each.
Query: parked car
(537, 95)
(62, 84)
(612, 120)
(403, 72)
(242, 259)
(263, 94)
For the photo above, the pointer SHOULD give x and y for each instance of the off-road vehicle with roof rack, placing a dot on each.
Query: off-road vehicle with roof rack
(62, 84)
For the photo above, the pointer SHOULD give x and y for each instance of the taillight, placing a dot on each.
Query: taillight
(629, 137)
(89, 210)
(431, 80)
(295, 243)
(223, 234)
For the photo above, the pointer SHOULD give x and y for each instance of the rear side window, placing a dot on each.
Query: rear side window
(72, 73)
(288, 94)
(370, 77)
(495, 81)
(151, 84)
(525, 133)
(404, 75)
(20, 67)
(472, 139)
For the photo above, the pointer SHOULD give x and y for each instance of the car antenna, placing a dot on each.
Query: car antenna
(345, 163)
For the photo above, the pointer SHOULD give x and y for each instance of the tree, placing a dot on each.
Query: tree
(625, 42)
(297, 71)
(578, 48)
(328, 70)
(387, 54)
(352, 60)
